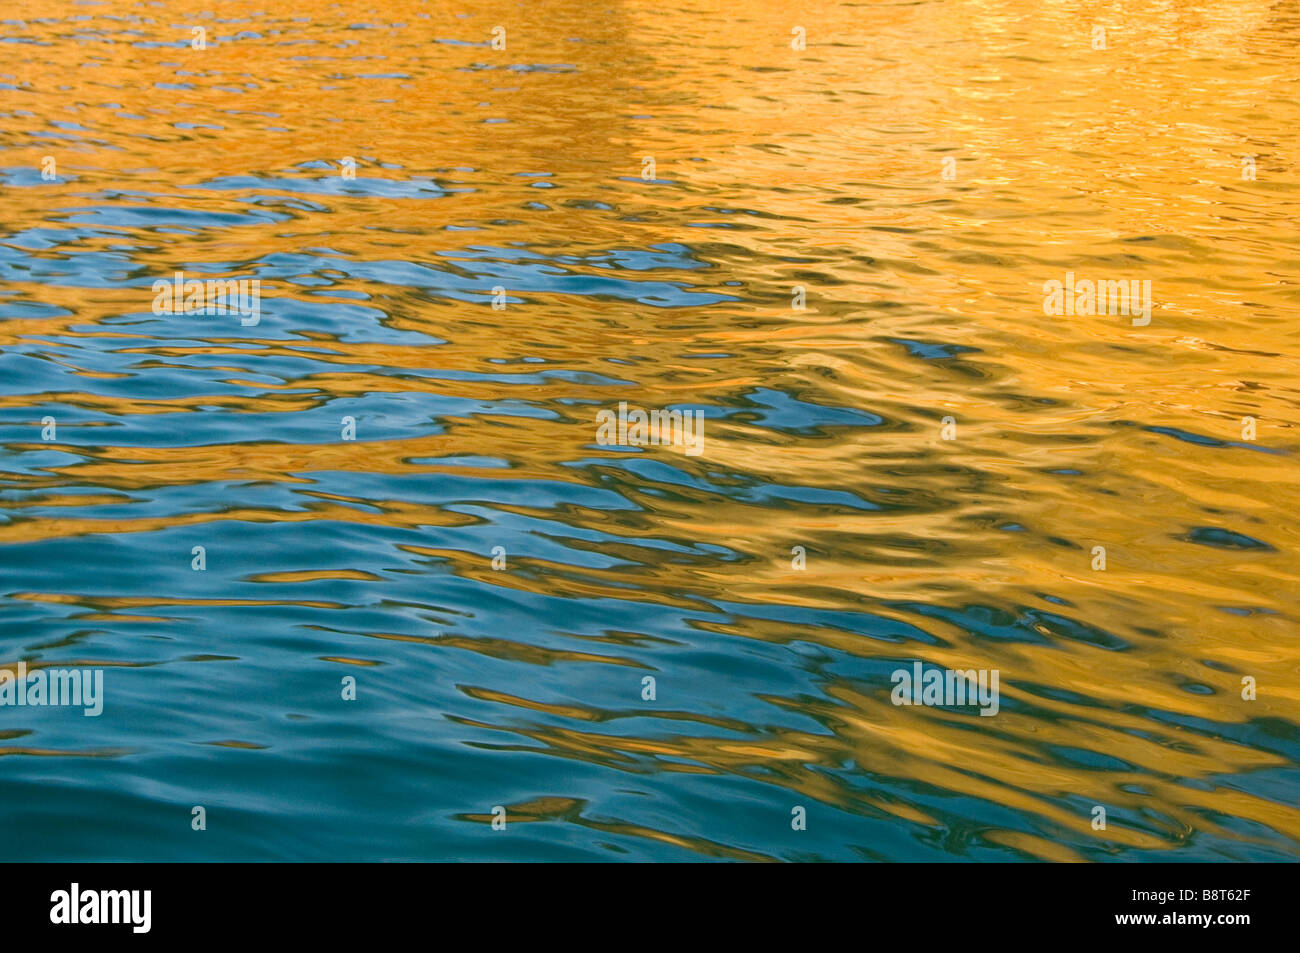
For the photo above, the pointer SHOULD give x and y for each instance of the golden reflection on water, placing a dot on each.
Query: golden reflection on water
(778, 168)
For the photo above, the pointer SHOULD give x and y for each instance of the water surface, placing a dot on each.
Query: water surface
(522, 687)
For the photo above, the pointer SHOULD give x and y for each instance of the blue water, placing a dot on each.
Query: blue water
(398, 485)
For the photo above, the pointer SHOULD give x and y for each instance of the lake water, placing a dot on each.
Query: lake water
(389, 480)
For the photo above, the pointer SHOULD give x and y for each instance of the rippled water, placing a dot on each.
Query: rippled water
(475, 428)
